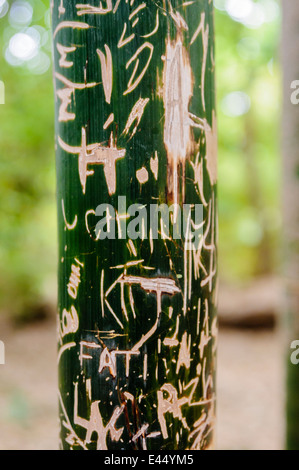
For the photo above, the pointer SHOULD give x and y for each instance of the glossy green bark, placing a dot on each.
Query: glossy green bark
(137, 318)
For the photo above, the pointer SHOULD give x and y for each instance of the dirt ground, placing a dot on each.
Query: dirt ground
(250, 389)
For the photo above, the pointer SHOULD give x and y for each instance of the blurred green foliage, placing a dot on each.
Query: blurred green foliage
(248, 84)
(247, 61)
(27, 176)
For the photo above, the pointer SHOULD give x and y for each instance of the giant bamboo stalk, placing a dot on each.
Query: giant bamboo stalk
(290, 125)
(135, 125)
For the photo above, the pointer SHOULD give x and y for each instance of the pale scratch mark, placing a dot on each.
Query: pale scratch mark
(200, 123)
(102, 293)
(109, 121)
(114, 315)
(154, 164)
(205, 337)
(116, 6)
(64, 51)
(90, 211)
(214, 332)
(70, 24)
(194, 383)
(123, 41)
(210, 246)
(190, 275)
(96, 154)
(142, 175)
(205, 41)
(135, 115)
(184, 353)
(68, 226)
(134, 82)
(140, 7)
(64, 94)
(92, 10)
(128, 264)
(119, 219)
(154, 434)
(64, 348)
(61, 8)
(198, 178)
(155, 28)
(83, 355)
(172, 342)
(107, 72)
(160, 285)
(109, 334)
(132, 301)
(141, 433)
(198, 316)
(145, 367)
(132, 247)
(177, 18)
(197, 254)
(177, 92)
(135, 22)
(151, 240)
(211, 150)
(201, 429)
(77, 261)
(187, 260)
(206, 382)
(122, 300)
(128, 358)
(88, 389)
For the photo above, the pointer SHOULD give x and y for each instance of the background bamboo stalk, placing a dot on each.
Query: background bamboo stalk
(290, 46)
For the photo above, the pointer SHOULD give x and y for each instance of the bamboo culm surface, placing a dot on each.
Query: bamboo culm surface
(136, 130)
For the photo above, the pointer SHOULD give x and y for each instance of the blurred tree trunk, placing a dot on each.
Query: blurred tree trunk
(290, 50)
(135, 117)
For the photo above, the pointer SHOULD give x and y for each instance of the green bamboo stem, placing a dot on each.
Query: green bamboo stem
(135, 117)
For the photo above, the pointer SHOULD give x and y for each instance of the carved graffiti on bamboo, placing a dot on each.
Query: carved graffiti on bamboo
(188, 143)
(168, 402)
(135, 115)
(96, 154)
(74, 279)
(107, 358)
(69, 322)
(68, 225)
(159, 285)
(66, 94)
(177, 92)
(107, 72)
(64, 51)
(86, 9)
(94, 426)
(70, 24)
(95, 423)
